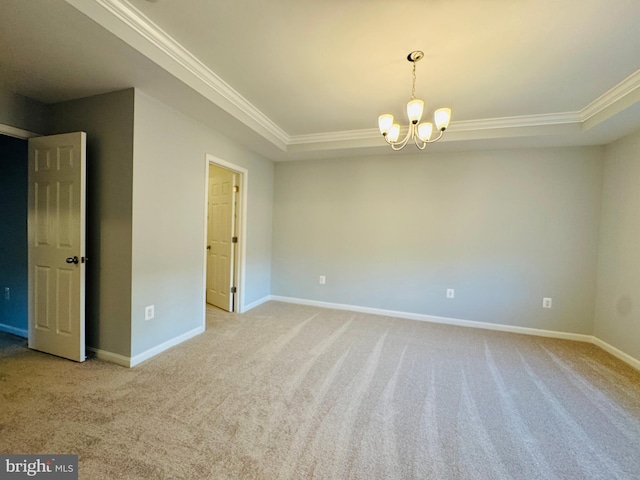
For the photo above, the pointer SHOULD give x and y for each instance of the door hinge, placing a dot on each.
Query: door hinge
(234, 289)
(236, 188)
(234, 239)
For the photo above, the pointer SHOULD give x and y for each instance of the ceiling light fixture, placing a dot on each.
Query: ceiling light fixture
(420, 132)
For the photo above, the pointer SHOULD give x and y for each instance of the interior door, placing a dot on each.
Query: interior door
(220, 235)
(56, 237)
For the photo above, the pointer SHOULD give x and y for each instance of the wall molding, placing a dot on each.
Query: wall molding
(152, 352)
(20, 332)
(149, 34)
(130, 362)
(111, 357)
(17, 132)
(257, 303)
(619, 354)
(124, 20)
(628, 359)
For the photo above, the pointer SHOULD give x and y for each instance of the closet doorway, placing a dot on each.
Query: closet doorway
(226, 195)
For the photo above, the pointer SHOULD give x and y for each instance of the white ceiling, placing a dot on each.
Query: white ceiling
(308, 78)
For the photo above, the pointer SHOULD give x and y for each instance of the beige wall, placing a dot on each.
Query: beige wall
(617, 319)
(503, 228)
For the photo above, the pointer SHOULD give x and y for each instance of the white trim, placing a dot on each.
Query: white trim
(619, 354)
(152, 352)
(124, 20)
(206, 242)
(130, 362)
(111, 357)
(628, 359)
(239, 306)
(21, 332)
(607, 99)
(153, 36)
(16, 132)
(257, 303)
(443, 320)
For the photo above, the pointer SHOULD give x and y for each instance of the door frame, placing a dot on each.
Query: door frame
(241, 230)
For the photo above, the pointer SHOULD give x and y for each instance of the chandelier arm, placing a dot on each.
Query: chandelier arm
(401, 144)
(421, 147)
(437, 138)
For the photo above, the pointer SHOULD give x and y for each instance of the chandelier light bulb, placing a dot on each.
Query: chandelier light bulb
(394, 133)
(384, 123)
(442, 117)
(414, 111)
(424, 131)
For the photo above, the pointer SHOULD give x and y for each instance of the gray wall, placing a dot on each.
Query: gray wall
(22, 112)
(617, 320)
(145, 217)
(169, 221)
(108, 121)
(503, 228)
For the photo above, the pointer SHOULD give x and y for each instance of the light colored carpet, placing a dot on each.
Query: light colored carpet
(297, 392)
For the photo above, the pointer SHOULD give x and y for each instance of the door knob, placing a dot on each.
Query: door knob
(72, 260)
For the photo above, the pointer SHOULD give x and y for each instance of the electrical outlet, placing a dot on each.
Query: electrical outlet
(451, 293)
(546, 302)
(322, 280)
(7, 293)
(149, 312)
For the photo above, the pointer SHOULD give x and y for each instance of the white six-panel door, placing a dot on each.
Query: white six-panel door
(220, 232)
(56, 232)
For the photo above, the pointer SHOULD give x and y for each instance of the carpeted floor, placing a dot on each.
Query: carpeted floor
(295, 392)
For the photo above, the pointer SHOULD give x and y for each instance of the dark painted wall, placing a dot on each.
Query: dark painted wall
(13, 235)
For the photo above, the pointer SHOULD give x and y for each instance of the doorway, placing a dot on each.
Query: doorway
(225, 227)
(13, 235)
(42, 187)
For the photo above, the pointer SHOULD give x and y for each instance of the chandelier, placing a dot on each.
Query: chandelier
(419, 132)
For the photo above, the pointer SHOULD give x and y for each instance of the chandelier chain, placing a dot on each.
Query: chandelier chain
(413, 87)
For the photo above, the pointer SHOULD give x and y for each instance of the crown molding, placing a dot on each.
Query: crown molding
(609, 98)
(459, 126)
(346, 135)
(602, 103)
(239, 107)
(158, 38)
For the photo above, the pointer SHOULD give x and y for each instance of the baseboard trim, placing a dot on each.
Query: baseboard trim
(14, 330)
(130, 362)
(111, 357)
(628, 359)
(443, 320)
(152, 352)
(255, 304)
(625, 357)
